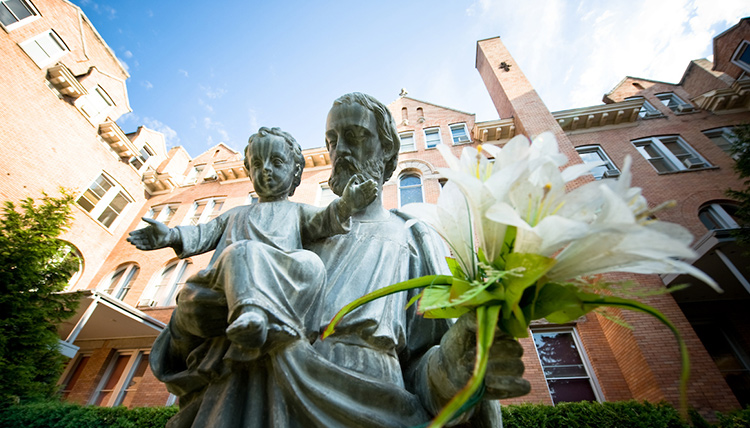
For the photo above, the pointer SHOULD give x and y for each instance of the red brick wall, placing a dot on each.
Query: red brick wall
(45, 138)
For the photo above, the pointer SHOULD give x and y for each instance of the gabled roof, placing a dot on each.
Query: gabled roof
(432, 104)
(617, 86)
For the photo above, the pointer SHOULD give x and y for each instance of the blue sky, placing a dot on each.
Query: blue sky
(209, 72)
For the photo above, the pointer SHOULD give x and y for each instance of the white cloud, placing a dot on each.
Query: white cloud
(213, 93)
(574, 54)
(127, 54)
(216, 127)
(183, 72)
(124, 65)
(170, 135)
(148, 85)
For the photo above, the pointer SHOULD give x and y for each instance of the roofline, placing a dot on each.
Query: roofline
(99, 36)
(433, 104)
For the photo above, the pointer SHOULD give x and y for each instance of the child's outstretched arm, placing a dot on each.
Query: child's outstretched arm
(358, 194)
(154, 236)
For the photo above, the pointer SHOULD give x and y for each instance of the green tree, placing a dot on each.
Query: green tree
(741, 153)
(34, 267)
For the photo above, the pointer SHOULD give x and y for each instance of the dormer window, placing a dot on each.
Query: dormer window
(741, 57)
(96, 105)
(675, 103)
(141, 158)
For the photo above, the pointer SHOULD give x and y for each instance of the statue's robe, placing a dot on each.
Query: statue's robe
(370, 373)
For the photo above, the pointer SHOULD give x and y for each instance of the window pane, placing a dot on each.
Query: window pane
(19, 9)
(412, 194)
(662, 165)
(745, 55)
(407, 142)
(114, 377)
(570, 390)
(563, 367)
(410, 180)
(127, 283)
(115, 280)
(74, 376)
(432, 137)
(135, 381)
(50, 45)
(459, 134)
(6, 17)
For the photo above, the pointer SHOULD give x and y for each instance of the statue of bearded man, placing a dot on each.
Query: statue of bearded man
(384, 366)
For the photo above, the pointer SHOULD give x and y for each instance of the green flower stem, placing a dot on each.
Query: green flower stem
(487, 317)
(420, 282)
(684, 356)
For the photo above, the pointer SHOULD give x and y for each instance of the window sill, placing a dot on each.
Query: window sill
(708, 168)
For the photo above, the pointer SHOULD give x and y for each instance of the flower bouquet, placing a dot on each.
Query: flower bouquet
(525, 248)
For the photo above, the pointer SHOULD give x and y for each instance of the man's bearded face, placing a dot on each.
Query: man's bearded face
(345, 168)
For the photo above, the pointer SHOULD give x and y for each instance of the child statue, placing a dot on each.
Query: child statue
(269, 280)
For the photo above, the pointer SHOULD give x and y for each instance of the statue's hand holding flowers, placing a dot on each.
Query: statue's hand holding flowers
(524, 248)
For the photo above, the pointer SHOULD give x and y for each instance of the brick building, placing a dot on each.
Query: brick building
(676, 134)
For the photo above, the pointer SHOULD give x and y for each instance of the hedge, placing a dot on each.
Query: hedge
(67, 415)
(623, 414)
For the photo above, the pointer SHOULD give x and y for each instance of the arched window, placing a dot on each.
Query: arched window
(69, 250)
(410, 189)
(119, 282)
(718, 215)
(164, 286)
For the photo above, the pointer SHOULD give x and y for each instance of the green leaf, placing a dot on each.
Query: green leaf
(487, 317)
(531, 267)
(435, 303)
(455, 268)
(420, 282)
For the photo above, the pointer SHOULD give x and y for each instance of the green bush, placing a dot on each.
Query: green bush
(736, 419)
(622, 414)
(66, 415)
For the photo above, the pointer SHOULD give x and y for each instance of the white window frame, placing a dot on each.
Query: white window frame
(174, 283)
(120, 288)
(410, 173)
(23, 21)
(193, 175)
(208, 213)
(96, 105)
(675, 103)
(105, 200)
(647, 111)
(693, 160)
(455, 127)
(717, 213)
(407, 148)
(581, 352)
(611, 170)
(118, 391)
(432, 131)
(142, 158)
(32, 46)
(741, 48)
(727, 133)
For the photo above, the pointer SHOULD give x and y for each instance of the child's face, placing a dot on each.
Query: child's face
(272, 168)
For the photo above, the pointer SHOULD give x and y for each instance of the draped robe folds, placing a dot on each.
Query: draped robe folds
(370, 373)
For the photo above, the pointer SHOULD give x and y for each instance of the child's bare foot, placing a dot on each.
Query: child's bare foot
(250, 329)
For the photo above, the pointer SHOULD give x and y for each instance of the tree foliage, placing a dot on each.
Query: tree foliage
(741, 153)
(35, 265)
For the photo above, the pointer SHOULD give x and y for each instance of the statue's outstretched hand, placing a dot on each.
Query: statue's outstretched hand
(452, 366)
(359, 193)
(151, 237)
